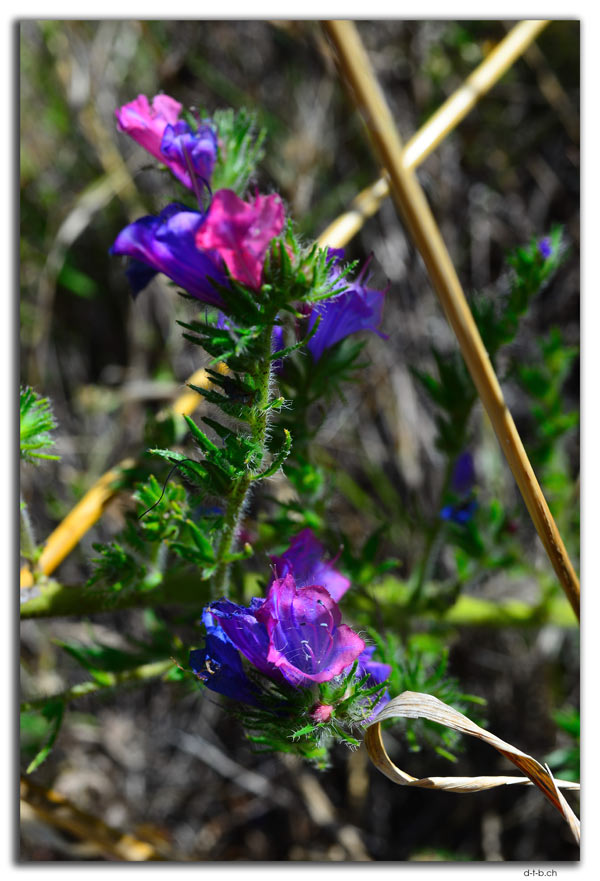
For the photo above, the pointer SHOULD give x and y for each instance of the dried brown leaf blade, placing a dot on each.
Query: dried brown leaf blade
(414, 705)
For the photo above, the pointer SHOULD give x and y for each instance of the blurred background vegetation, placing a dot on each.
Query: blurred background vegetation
(507, 174)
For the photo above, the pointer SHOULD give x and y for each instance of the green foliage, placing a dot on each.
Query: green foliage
(296, 274)
(100, 659)
(363, 565)
(308, 386)
(454, 395)
(544, 382)
(165, 535)
(565, 761)
(240, 149)
(485, 543)
(420, 664)
(452, 391)
(37, 422)
(284, 721)
(39, 730)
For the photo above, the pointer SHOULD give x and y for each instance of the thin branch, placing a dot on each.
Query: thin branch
(58, 811)
(412, 204)
(111, 680)
(437, 127)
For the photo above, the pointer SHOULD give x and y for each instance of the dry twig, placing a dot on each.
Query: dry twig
(58, 811)
(437, 127)
(412, 204)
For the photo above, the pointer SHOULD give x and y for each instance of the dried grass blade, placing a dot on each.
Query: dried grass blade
(424, 231)
(88, 510)
(57, 811)
(413, 705)
(438, 126)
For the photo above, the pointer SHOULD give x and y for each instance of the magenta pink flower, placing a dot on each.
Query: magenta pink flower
(307, 641)
(157, 128)
(146, 123)
(305, 559)
(241, 233)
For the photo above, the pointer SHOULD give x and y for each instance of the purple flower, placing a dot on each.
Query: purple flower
(156, 127)
(294, 636)
(167, 244)
(187, 151)
(246, 633)
(304, 559)
(463, 475)
(378, 671)
(193, 248)
(307, 641)
(545, 247)
(460, 513)
(277, 344)
(219, 666)
(357, 308)
(463, 480)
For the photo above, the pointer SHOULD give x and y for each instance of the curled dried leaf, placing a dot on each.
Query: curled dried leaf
(413, 705)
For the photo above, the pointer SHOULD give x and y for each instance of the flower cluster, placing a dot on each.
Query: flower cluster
(197, 249)
(201, 250)
(287, 656)
(156, 126)
(295, 640)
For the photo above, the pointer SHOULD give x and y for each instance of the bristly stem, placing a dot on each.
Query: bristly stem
(110, 680)
(259, 424)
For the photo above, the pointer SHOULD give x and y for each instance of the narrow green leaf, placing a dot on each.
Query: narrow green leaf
(53, 712)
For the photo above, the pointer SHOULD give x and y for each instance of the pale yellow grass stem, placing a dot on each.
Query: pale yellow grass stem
(414, 705)
(56, 810)
(89, 509)
(412, 204)
(437, 127)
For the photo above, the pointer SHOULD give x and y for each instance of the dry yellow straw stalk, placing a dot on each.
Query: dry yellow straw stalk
(443, 121)
(89, 509)
(58, 811)
(76, 524)
(412, 204)
(413, 705)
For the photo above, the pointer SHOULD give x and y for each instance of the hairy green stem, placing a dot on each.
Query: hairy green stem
(259, 424)
(181, 588)
(50, 599)
(111, 680)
